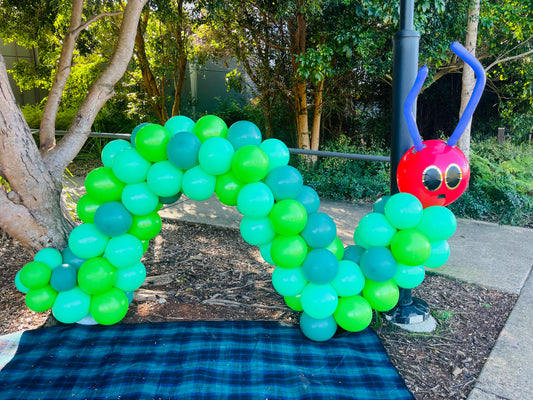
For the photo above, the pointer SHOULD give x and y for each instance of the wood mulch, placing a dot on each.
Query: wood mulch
(200, 272)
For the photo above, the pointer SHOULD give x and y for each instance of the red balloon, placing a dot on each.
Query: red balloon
(437, 175)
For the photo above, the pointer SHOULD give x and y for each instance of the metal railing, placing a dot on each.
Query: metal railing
(351, 156)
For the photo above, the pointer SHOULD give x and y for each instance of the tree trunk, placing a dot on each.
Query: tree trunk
(31, 208)
(178, 85)
(317, 115)
(266, 104)
(468, 73)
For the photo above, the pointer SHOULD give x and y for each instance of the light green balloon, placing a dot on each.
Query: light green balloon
(164, 179)
(86, 241)
(353, 313)
(437, 223)
(288, 251)
(358, 239)
(404, 211)
(139, 199)
(71, 306)
(197, 184)
(215, 155)
(130, 166)
(376, 230)
(319, 301)
(255, 200)
(288, 281)
(409, 277)
(124, 251)
(277, 153)
(50, 256)
(350, 280)
(111, 149)
(257, 231)
(130, 278)
(440, 252)
(265, 251)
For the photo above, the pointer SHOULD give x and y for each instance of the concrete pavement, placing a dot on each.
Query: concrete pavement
(489, 255)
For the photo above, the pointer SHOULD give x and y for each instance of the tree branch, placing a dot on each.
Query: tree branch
(510, 58)
(102, 90)
(94, 19)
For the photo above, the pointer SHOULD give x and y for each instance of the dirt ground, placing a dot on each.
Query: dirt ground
(204, 272)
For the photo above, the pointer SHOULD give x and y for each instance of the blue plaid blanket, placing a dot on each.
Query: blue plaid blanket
(198, 360)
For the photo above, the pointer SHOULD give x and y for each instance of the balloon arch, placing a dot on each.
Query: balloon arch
(95, 276)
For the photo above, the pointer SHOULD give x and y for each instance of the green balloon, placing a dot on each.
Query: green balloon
(146, 227)
(96, 275)
(353, 313)
(404, 211)
(130, 166)
(110, 307)
(124, 251)
(86, 208)
(350, 280)
(337, 248)
(210, 126)
(410, 247)
(139, 199)
(376, 230)
(288, 281)
(227, 188)
(319, 301)
(215, 155)
(382, 296)
(103, 186)
(409, 277)
(197, 184)
(151, 141)
(289, 217)
(437, 223)
(130, 278)
(257, 231)
(440, 252)
(288, 251)
(250, 164)
(50, 256)
(294, 302)
(86, 241)
(42, 299)
(35, 275)
(164, 179)
(71, 306)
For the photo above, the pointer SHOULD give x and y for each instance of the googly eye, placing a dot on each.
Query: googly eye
(432, 178)
(453, 176)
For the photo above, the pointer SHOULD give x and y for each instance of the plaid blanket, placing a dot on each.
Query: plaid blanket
(198, 360)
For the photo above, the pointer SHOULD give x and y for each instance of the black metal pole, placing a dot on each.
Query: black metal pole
(410, 310)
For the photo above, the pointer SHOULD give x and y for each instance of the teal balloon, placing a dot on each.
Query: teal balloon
(111, 149)
(285, 181)
(112, 219)
(139, 199)
(288, 281)
(183, 149)
(409, 277)
(353, 313)
(404, 211)
(169, 199)
(320, 266)
(179, 123)
(410, 247)
(102, 185)
(277, 153)
(379, 205)
(440, 252)
(257, 231)
(437, 223)
(382, 296)
(19, 285)
(124, 251)
(164, 179)
(130, 278)
(350, 280)
(378, 264)
(319, 301)
(376, 230)
(50, 256)
(309, 199)
(255, 200)
(210, 126)
(86, 208)
(265, 251)
(72, 259)
(244, 133)
(318, 330)
(353, 253)
(215, 155)
(136, 130)
(71, 306)
(197, 184)
(320, 230)
(130, 166)
(86, 241)
(250, 164)
(64, 278)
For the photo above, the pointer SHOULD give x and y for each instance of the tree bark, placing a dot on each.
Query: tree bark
(469, 81)
(31, 208)
(317, 116)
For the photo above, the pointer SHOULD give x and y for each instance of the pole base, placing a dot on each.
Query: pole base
(416, 312)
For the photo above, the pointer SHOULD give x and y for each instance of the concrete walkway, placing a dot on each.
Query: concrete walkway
(489, 255)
